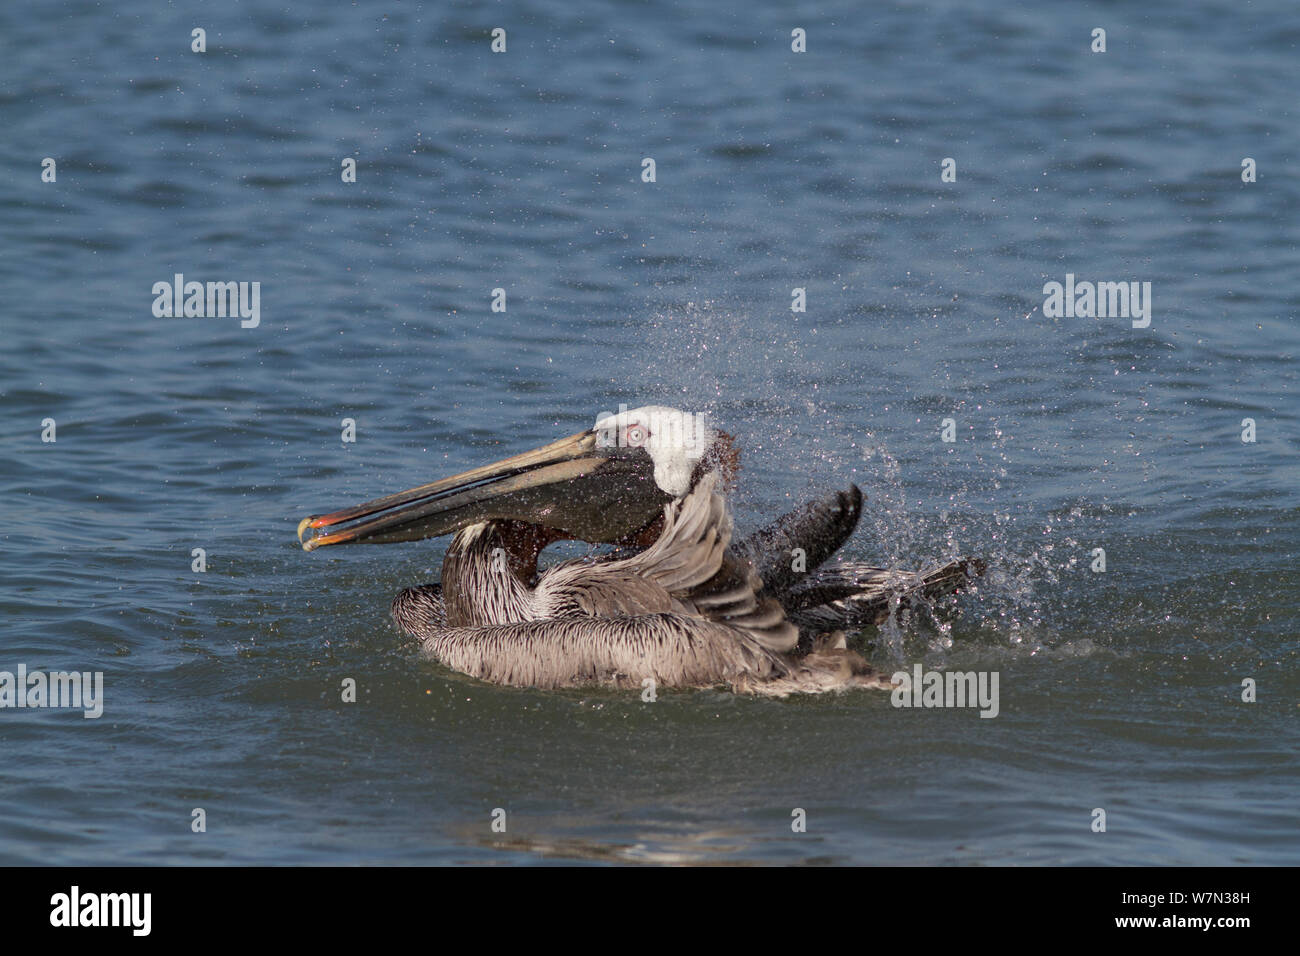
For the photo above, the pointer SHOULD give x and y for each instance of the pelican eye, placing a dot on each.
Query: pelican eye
(636, 436)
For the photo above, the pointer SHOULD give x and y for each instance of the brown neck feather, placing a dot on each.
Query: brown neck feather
(523, 543)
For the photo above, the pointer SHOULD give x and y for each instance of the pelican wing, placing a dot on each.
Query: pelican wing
(857, 595)
(687, 571)
(818, 529)
(850, 595)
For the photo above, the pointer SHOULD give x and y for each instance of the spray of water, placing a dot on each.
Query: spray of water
(770, 383)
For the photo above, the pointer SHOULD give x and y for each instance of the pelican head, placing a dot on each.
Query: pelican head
(602, 485)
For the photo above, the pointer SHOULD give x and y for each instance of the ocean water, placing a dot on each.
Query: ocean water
(774, 170)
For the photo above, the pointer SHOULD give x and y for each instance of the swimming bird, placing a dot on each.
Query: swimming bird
(677, 603)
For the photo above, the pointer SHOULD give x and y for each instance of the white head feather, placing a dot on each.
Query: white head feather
(675, 441)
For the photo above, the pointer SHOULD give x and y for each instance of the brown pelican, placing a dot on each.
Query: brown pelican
(678, 603)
